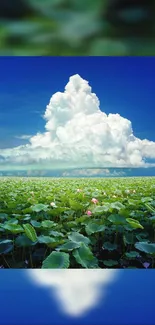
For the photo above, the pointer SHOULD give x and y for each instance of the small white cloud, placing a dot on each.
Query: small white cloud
(23, 137)
(78, 134)
(77, 291)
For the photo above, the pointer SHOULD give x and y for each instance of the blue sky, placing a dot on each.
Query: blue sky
(124, 85)
(129, 300)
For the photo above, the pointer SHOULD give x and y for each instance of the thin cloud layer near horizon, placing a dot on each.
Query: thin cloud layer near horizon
(78, 134)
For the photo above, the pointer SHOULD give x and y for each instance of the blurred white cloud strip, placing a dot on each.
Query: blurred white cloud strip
(77, 291)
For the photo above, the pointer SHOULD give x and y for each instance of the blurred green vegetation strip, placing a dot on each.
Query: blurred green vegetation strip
(73, 27)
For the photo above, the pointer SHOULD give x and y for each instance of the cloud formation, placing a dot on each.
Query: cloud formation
(77, 291)
(93, 172)
(23, 137)
(78, 134)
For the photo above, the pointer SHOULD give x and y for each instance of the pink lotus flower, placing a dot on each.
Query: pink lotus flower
(94, 200)
(89, 213)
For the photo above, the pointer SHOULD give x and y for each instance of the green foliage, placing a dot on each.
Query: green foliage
(146, 247)
(78, 238)
(39, 207)
(30, 232)
(46, 239)
(56, 260)
(85, 257)
(13, 228)
(23, 241)
(117, 219)
(110, 263)
(6, 246)
(134, 223)
(69, 246)
(76, 27)
(93, 227)
(109, 246)
(120, 232)
(131, 254)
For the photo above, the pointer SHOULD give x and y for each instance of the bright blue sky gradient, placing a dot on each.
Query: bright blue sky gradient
(124, 85)
(129, 301)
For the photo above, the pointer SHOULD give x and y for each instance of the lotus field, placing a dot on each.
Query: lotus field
(77, 223)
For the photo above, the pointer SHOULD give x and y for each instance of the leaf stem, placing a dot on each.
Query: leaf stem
(6, 262)
(31, 260)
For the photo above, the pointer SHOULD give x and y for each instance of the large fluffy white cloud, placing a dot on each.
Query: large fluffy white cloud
(78, 134)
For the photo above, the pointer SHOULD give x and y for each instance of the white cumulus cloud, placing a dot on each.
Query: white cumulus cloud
(78, 134)
(23, 137)
(77, 291)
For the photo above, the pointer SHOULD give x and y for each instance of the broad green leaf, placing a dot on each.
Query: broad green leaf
(56, 233)
(110, 262)
(100, 210)
(85, 257)
(27, 218)
(30, 232)
(6, 246)
(117, 219)
(69, 246)
(92, 228)
(79, 238)
(152, 219)
(12, 221)
(15, 229)
(148, 248)
(109, 246)
(131, 254)
(39, 207)
(128, 238)
(46, 239)
(82, 219)
(70, 224)
(47, 224)
(134, 223)
(128, 227)
(143, 236)
(3, 216)
(24, 241)
(117, 205)
(149, 207)
(36, 224)
(56, 260)
(146, 199)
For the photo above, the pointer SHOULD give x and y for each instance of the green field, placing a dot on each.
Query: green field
(77, 223)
